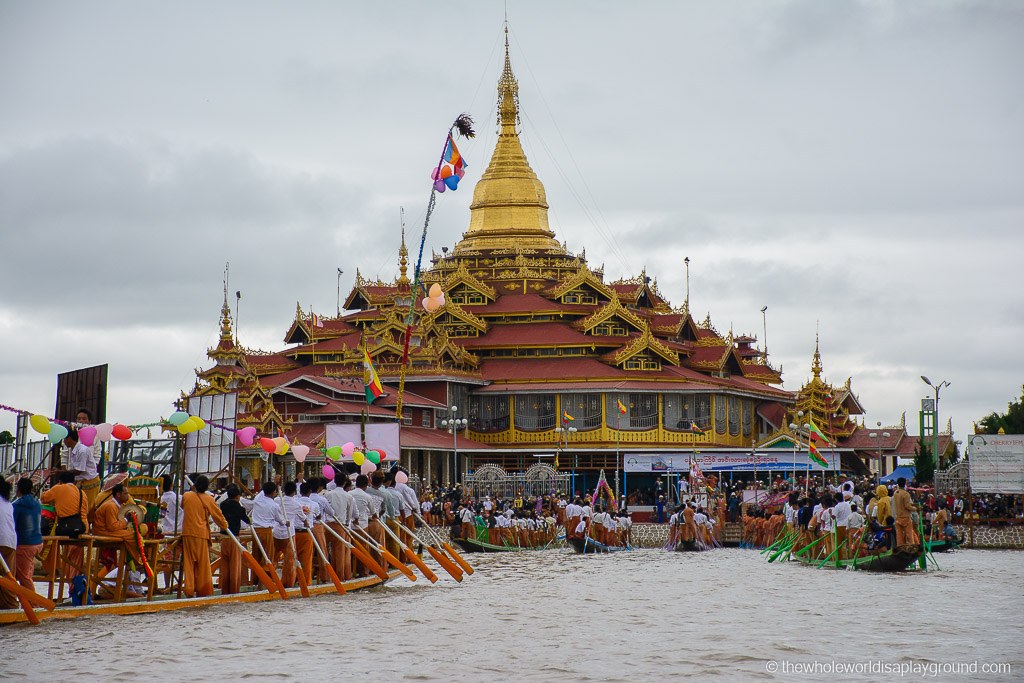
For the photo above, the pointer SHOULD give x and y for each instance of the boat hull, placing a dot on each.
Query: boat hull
(166, 604)
(890, 561)
(471, 545)
(588, 546)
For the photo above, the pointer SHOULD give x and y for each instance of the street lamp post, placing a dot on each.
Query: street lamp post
(876, 435)
(935, 427)
(453, 424)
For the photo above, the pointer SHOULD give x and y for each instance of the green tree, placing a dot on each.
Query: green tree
(924, 463)
(6, 437)
(1011, 422)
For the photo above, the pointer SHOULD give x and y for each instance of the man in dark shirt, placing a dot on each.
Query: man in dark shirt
(231, 556)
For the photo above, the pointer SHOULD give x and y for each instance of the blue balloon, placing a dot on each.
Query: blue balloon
(452, 182)
(178, 418)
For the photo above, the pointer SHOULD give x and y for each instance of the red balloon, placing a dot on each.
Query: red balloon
(383, 455)
(121, 432)
(268, 445)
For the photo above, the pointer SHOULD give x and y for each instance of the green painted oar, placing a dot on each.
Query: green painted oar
(823, 562)
(809, 546)
(782, 548)
(781, 538)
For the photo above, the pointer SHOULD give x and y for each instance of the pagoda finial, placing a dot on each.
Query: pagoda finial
(816, 363)
(403, 258)
(508, 95)
(903, 420)
(226, 333)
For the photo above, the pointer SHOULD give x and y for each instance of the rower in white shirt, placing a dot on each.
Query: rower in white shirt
(411, 503)
(297, 519)
(364, 511)
(339, 517)
(265, 515)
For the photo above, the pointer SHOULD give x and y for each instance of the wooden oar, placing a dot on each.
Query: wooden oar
(270, 563)
(411, 556)
(23, 593)
(338, 585)
(448, 547)
(453, 569)
(254, 565)
(385, 553)
(360, 554)
(303, 584)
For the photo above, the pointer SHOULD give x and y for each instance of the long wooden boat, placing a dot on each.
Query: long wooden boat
(164, 603)
(690, 547)
(889, 561)
(942, 545)
(472, 545)
(587, 546)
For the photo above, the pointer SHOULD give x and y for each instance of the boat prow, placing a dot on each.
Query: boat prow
(587, 546)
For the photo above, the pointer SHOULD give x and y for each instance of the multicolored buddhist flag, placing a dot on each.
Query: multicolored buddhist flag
(694, 429)
(816, 456)
(622, 408)
(567, 417)
(371, 381)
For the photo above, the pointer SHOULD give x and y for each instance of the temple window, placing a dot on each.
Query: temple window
(488, 413)
(734, 416)
(641, 411)
(535, 412)
(584, 408)
(721, 421)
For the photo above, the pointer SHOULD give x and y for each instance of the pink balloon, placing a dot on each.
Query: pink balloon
(246, 436)
(300, 452)
(87, 435)
(436, 173)
(328, 472)
(368, 467)
(347, 449)
(401, 477)
(104, 431)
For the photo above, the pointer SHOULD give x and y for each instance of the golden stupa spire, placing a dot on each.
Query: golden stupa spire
(510, 207)
(816, 363)
(226, 328)
(403, 262)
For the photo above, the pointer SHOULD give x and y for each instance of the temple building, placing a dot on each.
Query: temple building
(547, 361)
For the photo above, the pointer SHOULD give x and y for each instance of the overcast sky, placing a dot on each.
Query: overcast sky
(855, 166)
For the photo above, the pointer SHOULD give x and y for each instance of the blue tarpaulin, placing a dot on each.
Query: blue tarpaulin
(906, 471)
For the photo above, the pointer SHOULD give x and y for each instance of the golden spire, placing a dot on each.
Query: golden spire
(226, 332)
(510, 207)
(816, 363)
(403, 262)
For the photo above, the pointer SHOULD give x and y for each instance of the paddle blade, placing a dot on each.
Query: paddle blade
(272, 573)
(303, 584)
(338, 585)
(458, 558)
(398, 564)
(443, 560)
(369, 562)
(421, 565)
(23, 593)
(267, 582)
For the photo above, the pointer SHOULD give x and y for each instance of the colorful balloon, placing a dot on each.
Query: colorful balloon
(57, 433)
(358, 458)
(300, 452)
(246, 436)
(439, 299)
(104, 431)
(281, 445)
(348, 448)
(121, 432)
(87, 435)
(187, 427)
(177, 418)
(40, 423)
(268, 445)
(199, 422)
(373, 456)
(452, 182)
(368, 467)
(401, 477)
(431, 305)
(383, 455)
(334, 453)
(328, 472)
(439, 185)
(435, 291)
(446, 172)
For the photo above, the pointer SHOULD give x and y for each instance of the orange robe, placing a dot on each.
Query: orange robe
(106, 523)
(198, 508)
(66, 501)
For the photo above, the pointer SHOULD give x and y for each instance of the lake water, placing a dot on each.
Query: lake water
(558, 616)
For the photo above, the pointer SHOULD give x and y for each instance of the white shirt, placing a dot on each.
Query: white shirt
(790, 513)
(342, 506)
(410, 501)
(297, 519)
(466, 516)
(8, 534)
(582, 526)
(488, 505)
(315, 511)
(171, 515)
(855, 520)
(426, 506)
(266, 512)
(364, 507)
(842, 513)
(586, 510)
(325, 507)
(83, 461)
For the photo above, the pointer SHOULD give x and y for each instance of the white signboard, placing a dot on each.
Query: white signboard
(736, 461)
(208, 451)
(996, 463)
(380, 436)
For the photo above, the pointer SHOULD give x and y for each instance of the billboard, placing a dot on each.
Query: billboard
(735, 461)
(379, 436)
(209, 451)
(82, 388)
(996, 463)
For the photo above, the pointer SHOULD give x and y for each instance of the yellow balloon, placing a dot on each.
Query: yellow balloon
(187, 427)
(358, 457)
(40, 423)
(282, 445)
(435, 291)
(199, 422)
